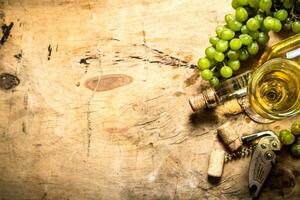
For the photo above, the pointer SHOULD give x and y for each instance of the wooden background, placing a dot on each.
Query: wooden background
(101, 111)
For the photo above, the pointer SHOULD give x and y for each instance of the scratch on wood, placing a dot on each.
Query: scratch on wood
(88, 115)
(146, 59)
(89, 128)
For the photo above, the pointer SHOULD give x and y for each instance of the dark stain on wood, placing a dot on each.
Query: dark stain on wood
(178, 93)
(24, 128)
(108, 82)
(85, 60)
(8, 81)
(116, 129)
(18, 56)
(6, 32)
(248, 120)
(192, 79)
(49, 51)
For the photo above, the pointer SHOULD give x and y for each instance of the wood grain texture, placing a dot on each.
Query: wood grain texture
(101, 110)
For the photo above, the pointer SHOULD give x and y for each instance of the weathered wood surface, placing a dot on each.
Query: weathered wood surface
(101, 111)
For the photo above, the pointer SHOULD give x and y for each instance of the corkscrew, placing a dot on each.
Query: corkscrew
(262, 160)
(243, 152)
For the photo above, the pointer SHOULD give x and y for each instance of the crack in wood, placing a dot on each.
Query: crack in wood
(6, 32)
(164, 59)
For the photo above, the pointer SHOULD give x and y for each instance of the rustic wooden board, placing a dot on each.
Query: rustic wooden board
(101, 111)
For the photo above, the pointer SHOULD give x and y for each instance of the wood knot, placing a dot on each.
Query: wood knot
(8, 81)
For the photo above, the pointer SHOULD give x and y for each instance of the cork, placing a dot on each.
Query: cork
(197, 102)
(216, 163)
(207, 99)
(230, 136)
(231, 107)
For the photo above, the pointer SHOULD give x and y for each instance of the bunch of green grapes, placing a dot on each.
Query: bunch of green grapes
(291, 138)
(245, 33)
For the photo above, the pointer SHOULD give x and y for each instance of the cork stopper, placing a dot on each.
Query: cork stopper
(197, 102)
(206, 99)
(231, 107)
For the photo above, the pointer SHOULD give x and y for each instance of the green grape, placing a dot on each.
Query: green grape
(214, 81)
(219, 56)
(277, 25)
(269, 23)
(263, 38)
(213, 40)
(254, 3)
(260, 18)
(296, 27)
(241, 14)
(227, 34)
(203, 63)
(226, 72)
(229, 18)
(207, 74)
(219, 30)
(254, 34)
(235, 25)
(235, 4)
(235, 44)
(244, 55)
(233, 55)
(281, 14)
(246, 39)
(295, 129)
(265, 5)
(244, 29)
(286, 137)
(210, 52)
(222, 45)
(287, 4)
(295, 149)
(243, 2)
(234, 64)
(253, 48)
(253, 24)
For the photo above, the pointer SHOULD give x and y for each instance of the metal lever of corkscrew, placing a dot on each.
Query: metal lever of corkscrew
(262, 160)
